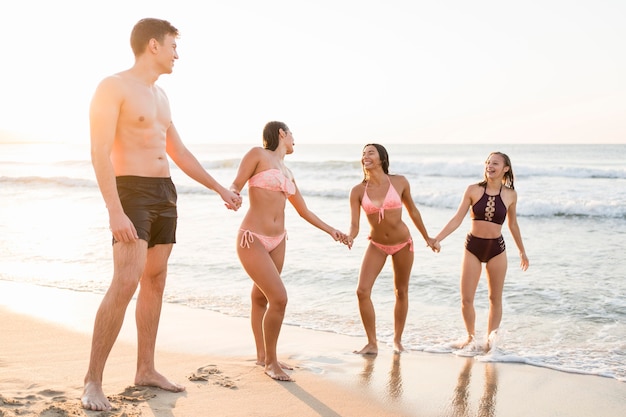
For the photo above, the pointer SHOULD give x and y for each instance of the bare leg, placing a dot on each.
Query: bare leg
(496, 272)
(470, 274)
(373, 262)
(128, 263)
(257, 312)
(402, 264)
(147, 315)
(263, 270)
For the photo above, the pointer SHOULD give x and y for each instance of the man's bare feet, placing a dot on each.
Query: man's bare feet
(369, 349)
(155, 379)
(398, 348)
(93, 397)
(282, 365)
(276, 372)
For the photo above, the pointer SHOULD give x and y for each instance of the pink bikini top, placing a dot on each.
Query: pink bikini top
(273, 180)
(392, 201)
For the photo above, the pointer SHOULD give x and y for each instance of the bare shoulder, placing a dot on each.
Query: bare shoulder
(358, 189)
(474, 192)
(117, 85)
(509, 195)
(110, 94)
(256, 153)
(508, 190)
(475, 187)
(254, 158)
(398, 180)
(119, 80)
(110, 85)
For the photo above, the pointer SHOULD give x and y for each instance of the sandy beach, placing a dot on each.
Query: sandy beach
(44, 347)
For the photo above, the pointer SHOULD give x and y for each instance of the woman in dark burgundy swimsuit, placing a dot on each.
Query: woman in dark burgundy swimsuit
(489, 202)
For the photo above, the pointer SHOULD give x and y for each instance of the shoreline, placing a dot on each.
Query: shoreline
(45, 339)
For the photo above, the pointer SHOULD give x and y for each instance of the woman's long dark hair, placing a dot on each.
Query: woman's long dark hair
(270, 134)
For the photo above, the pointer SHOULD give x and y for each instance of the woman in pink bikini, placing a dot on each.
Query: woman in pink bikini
(262, 235)
(489, 202)
(382, 196)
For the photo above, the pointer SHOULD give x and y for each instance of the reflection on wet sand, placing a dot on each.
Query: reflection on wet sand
(368, 369)
(393, 384)
(460, 403)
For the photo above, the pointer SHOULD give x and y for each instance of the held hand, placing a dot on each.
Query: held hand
(433, 244)
(337, 235)
(232, 200)
(342, 237)
(347, 240)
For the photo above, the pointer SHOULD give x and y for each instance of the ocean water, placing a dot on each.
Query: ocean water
(567, 312)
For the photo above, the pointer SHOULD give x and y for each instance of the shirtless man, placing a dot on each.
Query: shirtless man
(132, 135)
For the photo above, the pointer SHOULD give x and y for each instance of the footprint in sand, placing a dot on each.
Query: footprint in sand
(9, 401)
(134, 394)
(53, 394)
(202, 375)
(54, 411)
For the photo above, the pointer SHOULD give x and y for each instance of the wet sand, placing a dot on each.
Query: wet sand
(45, 336)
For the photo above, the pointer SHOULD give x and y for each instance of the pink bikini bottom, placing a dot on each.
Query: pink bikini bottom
(269, 242)
(392, 249)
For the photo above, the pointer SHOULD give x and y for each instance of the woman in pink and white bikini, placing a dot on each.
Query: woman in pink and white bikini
(261, 240)
(382, 196)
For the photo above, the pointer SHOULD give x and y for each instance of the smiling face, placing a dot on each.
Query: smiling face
(375, 156)
(370, 158)
(165, 53)
(498, 169)
(494, 166)
(153, 42)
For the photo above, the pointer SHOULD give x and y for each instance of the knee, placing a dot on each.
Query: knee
(279, 304)
(155, 282)
(363, 293)
(402, 294)
(124, 285)
(495, 300)
(120, 293)
(259, 300)
(467, 302)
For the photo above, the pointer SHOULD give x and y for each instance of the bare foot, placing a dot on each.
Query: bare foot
(491, 341)
(398, 348)
(276, 372)
(369, 349)
(462, 343)
(155, 379)
(93, 397)
(282, 365)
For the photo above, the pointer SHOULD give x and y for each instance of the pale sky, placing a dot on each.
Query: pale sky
(352, 71)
